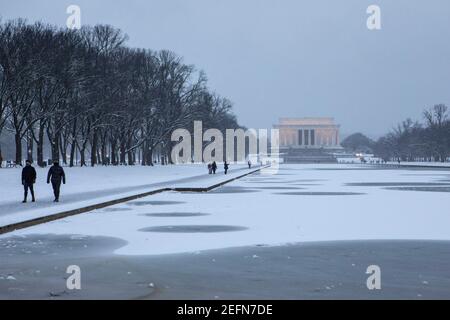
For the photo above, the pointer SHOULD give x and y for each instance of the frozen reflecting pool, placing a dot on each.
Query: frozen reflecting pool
(302, 203)
(321, 227)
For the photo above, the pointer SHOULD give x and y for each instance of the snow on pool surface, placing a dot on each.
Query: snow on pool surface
(326, 203)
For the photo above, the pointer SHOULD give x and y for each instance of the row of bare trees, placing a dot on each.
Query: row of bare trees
(411, 140)
(91, 97)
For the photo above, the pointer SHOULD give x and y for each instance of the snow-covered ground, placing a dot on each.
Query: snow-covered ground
(88, 186)
(377, 161)
(301, 203)
(421, 164)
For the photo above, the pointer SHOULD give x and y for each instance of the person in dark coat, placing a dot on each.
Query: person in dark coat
(56, 175)
(28, 180)
(209, 168)
(225, 167)
(214, 167)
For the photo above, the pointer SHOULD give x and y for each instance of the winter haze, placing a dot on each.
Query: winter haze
(291, 58)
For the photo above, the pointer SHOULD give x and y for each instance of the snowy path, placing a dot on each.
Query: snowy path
(301, 203)
(89, 186)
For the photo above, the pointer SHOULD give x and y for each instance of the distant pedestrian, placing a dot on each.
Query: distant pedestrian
(56, 175)
(209, 168)
(214, 167)
(28, 180)
(249, 164)
(225, 167)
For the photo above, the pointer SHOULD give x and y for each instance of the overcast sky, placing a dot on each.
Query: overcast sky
(290, 58)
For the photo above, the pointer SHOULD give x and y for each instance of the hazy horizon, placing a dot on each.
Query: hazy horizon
(291, 58)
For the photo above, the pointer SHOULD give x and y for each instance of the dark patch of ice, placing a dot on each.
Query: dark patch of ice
(395, 184)
(321, 193)
(194, 229)
(426, 189)
(228, 189)
(116, 209)
(176, 214)
(153, 203)
(280, 188)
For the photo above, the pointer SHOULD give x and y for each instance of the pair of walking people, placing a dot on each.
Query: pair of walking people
(55, 175)
(212, 167)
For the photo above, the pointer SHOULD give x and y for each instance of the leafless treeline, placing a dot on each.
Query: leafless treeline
(410, 140)
(94, 98)
(413, 141)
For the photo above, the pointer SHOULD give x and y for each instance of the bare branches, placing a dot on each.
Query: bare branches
(410, 140)
(89, 92)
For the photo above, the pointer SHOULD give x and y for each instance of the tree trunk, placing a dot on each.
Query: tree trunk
(169, 153)
(122, 153)
(103, 152)
(73, 143)
(72, 153)
(144, 154)
(130, 154)
(113, 152)
(150, 156)
(82, 157)
(94, 148)
(63, 148)
(130, 158)
(99, 158)
(30, 148)
(40, 146)
(55, 147)
(18, 141)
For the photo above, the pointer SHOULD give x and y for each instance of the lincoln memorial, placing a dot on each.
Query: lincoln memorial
(310, 140)
(308, 133)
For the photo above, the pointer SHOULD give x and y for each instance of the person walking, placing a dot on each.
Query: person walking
(209, 168)
(225, 167)
(249, 164)
(28, 180)
(56, 175)
(214, 167)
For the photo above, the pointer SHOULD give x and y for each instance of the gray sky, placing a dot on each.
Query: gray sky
(291, 58)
